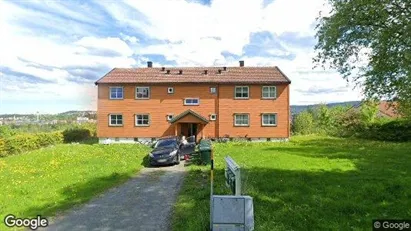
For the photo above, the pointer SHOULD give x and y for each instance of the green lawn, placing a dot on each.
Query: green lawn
(309, 183)
(52, 179)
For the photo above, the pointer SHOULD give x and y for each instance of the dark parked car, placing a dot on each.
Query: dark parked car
(165, 151)
(169, 150)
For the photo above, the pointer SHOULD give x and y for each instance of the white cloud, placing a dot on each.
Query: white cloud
(196, 34)
(291, 16)
(105, 44)
(131, 39)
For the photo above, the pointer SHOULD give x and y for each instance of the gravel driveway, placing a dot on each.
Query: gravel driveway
(142, 203)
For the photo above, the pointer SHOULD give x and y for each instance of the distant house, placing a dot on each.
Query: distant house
(137, 104)
(385, 109)
(81, 120)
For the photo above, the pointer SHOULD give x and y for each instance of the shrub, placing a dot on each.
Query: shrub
(51, 138)
(6, 131)
(21, 143)
(92, 127)
(27, 142)
(303, 123)
(76, 134)
(351, 124)
(397, 130)
(2, 147)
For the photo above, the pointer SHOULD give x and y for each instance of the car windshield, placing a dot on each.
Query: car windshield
(165, 143)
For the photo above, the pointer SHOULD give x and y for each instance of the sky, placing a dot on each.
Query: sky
(52, 52)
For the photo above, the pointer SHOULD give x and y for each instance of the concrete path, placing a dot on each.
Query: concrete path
(142, 203)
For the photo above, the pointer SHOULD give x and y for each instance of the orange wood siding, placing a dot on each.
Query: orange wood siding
(254, 106)
(158, 106)
(161, 103)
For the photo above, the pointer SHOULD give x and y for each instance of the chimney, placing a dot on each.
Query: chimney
(180, 72)
(225, 68)
(149, 64)
(168, 71)
(205, 72)
(163, 68)
(242, 63)
(219, 71)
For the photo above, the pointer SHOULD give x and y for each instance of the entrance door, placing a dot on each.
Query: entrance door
(192, 130)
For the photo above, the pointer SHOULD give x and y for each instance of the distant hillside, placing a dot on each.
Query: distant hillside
(68, 115)
(79, 113)
(295, 109)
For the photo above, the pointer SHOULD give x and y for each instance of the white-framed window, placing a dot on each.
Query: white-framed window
(170, 90)
(213, 90)
(269, 92)
(142, 119)
(116, 92)
(213, 117)
(241, 92)
(191, 101)
(142, 92)
(115, 120)
(169, 117)
(241, 119)
(269, 119)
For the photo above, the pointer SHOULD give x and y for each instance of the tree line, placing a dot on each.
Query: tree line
(363, 121)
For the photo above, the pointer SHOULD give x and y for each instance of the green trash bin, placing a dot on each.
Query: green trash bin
(204, 142)
(205, 154)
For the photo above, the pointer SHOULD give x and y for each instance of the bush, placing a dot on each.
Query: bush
(2, 147)
(21, 143)
(303, 123)
(76, 134)
(92, 127)
(6, 131)
(27, 142)
(397, 130)
(46, 139)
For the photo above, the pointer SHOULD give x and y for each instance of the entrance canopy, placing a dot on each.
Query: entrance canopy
(189, 116)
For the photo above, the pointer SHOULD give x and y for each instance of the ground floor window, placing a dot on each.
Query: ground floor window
(115, 119)
(142, 120)
(269, 119)
(241, 119)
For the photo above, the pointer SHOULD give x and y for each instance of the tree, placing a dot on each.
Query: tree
(368, 111)
(303, 123)
(369, 42)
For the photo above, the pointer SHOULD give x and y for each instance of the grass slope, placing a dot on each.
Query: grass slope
(52, 179)
(309, 183)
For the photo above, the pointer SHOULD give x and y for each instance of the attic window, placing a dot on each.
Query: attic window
(191, 101)
(180, 72)
(163, 68)
(205, 72)
(219, 71)
(168, 71)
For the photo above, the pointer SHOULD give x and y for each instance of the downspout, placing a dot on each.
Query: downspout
(288, 111)
(217, 124)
